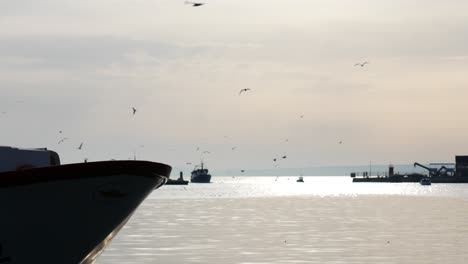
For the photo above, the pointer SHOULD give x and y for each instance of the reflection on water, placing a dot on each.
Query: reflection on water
(241, 187)
(324, 219)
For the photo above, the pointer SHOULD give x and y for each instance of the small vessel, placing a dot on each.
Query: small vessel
(179, 181)
(67, 213)
(200, 175)
(425, 181)
(300, 179)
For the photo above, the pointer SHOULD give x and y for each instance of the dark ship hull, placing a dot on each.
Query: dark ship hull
(69, 213)
(201, 178)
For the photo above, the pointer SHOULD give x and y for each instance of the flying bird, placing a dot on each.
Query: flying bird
(274, 159)
(284, 157)
(134, 110)
(195, 4)
(244, 90)
(81, 146)
(62, 140)
(361, 64)
(242, 171)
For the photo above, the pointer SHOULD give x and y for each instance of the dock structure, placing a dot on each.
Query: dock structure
(441, 173)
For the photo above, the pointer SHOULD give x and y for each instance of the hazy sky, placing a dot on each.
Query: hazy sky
(80, 66)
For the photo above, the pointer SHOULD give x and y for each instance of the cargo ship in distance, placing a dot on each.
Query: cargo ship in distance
(200, 175)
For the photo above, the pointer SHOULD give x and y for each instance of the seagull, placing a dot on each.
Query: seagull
(195, 4)
(81, 146)
(361, 64)
(244, 90)
(134, 110)
(284, 157)
(62, 140)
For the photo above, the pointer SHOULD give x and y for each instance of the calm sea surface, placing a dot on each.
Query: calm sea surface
(277, 220)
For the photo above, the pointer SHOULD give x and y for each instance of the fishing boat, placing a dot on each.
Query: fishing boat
(54, 213)
(200, 175)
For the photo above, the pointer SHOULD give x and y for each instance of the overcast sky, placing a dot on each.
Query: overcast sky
(80, 66)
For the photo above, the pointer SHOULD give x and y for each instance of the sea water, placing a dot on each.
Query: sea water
(278, 220)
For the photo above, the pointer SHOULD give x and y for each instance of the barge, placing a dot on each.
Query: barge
(442, 173)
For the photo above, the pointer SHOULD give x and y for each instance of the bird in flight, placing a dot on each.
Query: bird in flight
(244, 90)
(81, 146)
(361, 64)
(195, 4)
(284, 157)
(242, 171)
(134, 110)
(274, 159)
(62, 140)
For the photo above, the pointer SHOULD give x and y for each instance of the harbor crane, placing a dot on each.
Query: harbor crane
(436, 172)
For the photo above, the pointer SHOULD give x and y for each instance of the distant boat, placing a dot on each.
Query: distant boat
(425, 181)
(56, 213)
(300, 179)
(179, 181)
(200, 175)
